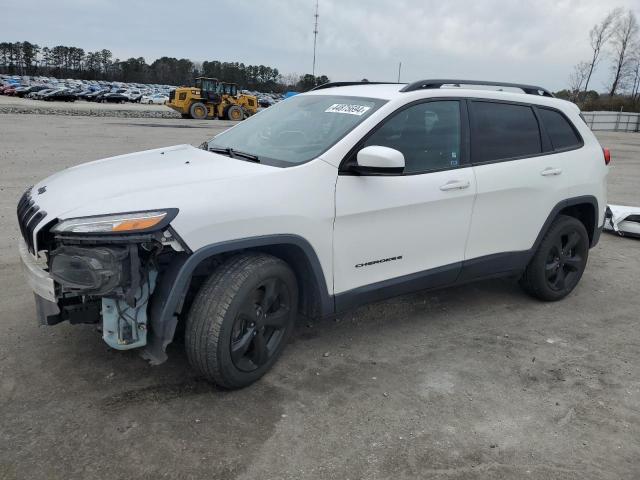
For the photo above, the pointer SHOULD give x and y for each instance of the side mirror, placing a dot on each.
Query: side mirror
(376, 159)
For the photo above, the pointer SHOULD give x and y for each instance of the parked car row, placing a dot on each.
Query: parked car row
(265, 99)
(70, 90)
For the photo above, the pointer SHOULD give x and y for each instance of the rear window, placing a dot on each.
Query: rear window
(560, 131)
(502, 131)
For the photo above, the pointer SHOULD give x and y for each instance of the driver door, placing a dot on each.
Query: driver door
(397, 233)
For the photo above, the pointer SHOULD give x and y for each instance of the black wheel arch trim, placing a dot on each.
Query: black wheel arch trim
(172, 288)
(570, 202)
(508, 263)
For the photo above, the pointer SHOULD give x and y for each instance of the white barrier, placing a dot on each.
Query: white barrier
(613, 121)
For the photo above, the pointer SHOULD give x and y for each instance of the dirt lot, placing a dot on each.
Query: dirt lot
(478, 381)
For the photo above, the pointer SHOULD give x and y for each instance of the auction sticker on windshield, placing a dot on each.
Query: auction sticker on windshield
(347, 108)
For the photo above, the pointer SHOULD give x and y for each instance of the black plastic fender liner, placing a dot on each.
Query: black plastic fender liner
(589, 199)
(162, 329)
(168, 298)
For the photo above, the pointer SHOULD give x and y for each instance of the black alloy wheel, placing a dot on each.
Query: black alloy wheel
(241, 319)
(259, 325)
(565, 261)
(559, 261)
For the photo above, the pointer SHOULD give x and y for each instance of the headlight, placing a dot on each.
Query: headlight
(136, 222)
(95, 270)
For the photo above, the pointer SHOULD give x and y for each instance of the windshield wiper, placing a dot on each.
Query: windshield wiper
(230, 152)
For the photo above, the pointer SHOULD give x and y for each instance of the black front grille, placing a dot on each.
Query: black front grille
(29, 215)
(172, 95)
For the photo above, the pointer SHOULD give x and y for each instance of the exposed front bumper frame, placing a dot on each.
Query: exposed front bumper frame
(38, 279)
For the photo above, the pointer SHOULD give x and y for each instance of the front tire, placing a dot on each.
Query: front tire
(241, 319)
(559, 262)
(198, 111)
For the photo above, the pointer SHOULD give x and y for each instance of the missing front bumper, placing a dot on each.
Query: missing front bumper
(38, 279)
(105, 284)
(47, 312)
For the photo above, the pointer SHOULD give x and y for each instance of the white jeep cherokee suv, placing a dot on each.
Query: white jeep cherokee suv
(347, 194)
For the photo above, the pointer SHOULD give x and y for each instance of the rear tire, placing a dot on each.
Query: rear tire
(558, 264)
(241, 319)
(198, 111)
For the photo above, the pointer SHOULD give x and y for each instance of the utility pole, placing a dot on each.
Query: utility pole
(315, 39)
(399, 70)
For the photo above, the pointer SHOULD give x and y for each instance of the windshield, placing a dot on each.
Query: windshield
(297, 129)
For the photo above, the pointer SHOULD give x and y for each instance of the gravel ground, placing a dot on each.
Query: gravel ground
(478, 381)
(25, 106)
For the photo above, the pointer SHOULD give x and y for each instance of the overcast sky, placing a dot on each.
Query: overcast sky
(521, 41)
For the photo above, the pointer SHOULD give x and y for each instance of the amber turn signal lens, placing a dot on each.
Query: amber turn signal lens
(134, 224)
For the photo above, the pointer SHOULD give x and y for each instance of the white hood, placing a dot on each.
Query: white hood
(99, 183)
(218, 198)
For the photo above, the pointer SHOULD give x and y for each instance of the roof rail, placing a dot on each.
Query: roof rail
(346, 84)
(428, 84)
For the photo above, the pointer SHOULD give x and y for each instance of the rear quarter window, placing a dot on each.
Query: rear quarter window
(561, 133)
(502, 131)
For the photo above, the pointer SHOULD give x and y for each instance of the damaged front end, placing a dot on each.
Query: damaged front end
(102, 270)
(108, 283)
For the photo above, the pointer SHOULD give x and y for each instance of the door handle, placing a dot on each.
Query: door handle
(454, 185)
(548, 172)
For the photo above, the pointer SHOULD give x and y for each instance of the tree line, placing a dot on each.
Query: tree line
(26, 58)
(614, 41)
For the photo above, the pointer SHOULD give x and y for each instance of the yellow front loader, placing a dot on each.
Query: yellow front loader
(211, 98)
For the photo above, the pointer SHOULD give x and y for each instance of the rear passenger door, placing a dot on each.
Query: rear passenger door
(519, 181)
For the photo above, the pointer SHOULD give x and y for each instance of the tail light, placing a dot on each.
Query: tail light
(607, 156)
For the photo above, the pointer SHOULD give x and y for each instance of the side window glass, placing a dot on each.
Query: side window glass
(560, 131)
(427, 134)
(501, 131)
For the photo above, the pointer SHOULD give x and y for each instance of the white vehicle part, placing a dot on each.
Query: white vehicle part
(585, 168)
(376, 156)
(623, 220)
(37, 277)
(219, 198)
(514, 200)
(143, 178)
(125, 327)
(390, 226)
